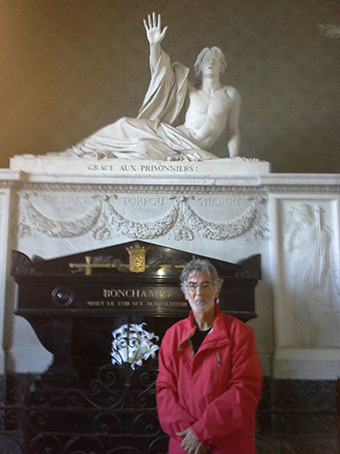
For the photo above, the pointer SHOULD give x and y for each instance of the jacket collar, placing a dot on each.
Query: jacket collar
(216, 333)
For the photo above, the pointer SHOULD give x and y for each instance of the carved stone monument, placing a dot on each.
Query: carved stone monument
(166, 192)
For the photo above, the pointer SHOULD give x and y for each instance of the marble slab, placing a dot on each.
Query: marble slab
(138, 167)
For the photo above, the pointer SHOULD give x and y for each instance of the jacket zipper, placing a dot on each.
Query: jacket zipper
(218, 360)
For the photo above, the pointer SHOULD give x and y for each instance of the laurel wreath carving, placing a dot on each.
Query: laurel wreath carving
(103, 221)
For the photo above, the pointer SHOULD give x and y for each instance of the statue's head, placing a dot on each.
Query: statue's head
(205, 55)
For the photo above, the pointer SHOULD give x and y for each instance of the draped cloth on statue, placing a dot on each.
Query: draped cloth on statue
(167, 91)
(150, 135)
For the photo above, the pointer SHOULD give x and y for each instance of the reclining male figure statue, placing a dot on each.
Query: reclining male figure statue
(212, 108)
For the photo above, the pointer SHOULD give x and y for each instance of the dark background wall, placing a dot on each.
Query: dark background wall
(69, 67)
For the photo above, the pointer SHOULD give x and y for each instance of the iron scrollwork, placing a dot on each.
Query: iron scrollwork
(112, 412)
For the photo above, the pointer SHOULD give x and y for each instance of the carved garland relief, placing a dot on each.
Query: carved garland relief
(181, 222)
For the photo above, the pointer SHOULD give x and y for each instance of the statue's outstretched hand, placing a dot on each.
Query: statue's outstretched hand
(153, 29)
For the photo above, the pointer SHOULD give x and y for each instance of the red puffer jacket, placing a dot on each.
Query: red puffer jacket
(215, 391)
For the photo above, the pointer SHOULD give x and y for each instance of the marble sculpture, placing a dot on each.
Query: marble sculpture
(212, 109)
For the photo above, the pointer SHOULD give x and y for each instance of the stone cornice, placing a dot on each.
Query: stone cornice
(262, 184)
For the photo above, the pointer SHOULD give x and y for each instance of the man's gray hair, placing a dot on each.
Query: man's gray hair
(198, 63)
(200, 266)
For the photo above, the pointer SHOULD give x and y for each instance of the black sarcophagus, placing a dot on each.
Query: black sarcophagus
(94, 307)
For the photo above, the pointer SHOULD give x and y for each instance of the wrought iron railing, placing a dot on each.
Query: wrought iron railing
(112, 412)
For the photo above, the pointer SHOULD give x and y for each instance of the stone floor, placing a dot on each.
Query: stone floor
(294, 416)
(299, 417)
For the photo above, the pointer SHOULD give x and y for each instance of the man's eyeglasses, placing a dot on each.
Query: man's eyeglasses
(193, 286)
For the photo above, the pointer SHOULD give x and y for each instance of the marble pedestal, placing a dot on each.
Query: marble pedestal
(226, 209)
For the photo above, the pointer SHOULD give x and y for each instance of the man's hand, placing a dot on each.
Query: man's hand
(153, 29)
(190, 444)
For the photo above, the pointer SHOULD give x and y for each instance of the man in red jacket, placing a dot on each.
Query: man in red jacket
(210, 377)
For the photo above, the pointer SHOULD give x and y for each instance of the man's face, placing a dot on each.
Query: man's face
(201, 292)
(211, 64)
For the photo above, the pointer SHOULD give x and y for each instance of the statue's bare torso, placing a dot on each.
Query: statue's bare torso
(207, 114)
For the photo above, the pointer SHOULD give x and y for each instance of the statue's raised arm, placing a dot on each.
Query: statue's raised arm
(212, 108)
